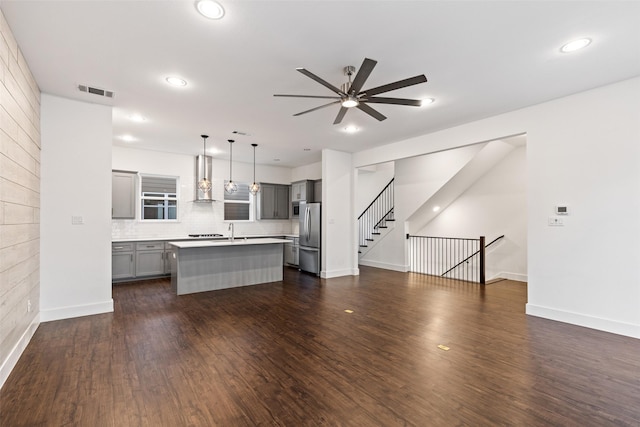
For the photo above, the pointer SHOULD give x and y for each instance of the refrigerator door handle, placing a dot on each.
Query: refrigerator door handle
(308, 225)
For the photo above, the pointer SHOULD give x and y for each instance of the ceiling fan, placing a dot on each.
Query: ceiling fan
(351, 94)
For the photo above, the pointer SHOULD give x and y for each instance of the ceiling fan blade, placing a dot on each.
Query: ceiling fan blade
(396, 101)
(317, 108)
(321, 81)
(340, 116)
(363, 74)
(396, 85)
(370, 111)
(309, 96)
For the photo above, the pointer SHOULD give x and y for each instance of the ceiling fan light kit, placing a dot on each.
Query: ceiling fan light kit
(351, 95)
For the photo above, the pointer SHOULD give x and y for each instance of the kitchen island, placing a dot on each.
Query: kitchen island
(199, 266)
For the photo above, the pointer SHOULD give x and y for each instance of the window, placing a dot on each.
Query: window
(239, 205)
(158, 196)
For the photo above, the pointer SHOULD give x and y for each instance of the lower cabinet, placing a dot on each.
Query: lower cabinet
(167, 258)
(122, 261)
(149, 259)
(139, 260)
(291, 252)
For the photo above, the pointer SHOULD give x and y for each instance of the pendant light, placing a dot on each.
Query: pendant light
(205, 183)
(230, 187)
(255, 187)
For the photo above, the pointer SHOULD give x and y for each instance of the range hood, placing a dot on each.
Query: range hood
(203, 163)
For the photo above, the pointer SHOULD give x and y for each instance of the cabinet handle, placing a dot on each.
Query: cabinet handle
(118, 247)
(131, 257)
(151, 246)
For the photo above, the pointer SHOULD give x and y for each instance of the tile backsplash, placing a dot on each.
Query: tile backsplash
(198, 218)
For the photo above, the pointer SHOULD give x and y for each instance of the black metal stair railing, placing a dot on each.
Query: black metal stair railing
(376, 216)
(455, 258)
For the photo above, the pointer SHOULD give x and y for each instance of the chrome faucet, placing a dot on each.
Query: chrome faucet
(232, 233)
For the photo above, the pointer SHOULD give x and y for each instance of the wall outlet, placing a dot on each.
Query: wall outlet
(77, 220)
(28, 306)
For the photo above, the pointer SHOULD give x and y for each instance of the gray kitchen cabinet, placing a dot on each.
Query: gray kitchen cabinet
(302, 191)
(122, 261)
(317, 190)
(291, 252)
(150, 259)
(123, 195)
(167, 258)
(274, 201)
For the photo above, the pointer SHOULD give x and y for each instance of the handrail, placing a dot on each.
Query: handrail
(384, 218)
(376, 198)
(472, 255)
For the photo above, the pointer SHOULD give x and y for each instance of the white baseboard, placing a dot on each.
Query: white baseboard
(340, 273)
(10, 362)
(607, 325)
(76, 311)
(511, 276)
(384, 265)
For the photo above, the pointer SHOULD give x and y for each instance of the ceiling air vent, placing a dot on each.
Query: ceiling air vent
(96, 91)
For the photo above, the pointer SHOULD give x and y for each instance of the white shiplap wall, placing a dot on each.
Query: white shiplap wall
(19, 201)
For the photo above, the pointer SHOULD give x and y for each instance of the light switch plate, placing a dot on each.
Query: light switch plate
(77, 220)
(556, 222)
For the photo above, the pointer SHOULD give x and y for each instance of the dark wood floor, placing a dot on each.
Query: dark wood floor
(288, 354)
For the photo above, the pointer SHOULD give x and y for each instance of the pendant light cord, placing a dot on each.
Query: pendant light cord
(204, 155)
(230, 160)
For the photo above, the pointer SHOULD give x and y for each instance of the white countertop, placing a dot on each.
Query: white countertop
(196, 239)
(237, 242)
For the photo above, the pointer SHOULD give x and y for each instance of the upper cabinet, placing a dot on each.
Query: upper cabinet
(317, 190)
(302, 191)
(274, 201)
(123, 195)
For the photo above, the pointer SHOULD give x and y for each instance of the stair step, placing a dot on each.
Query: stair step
(389, 219)
(369, 240)
(375, 234)
(364, 246)
(382, 226)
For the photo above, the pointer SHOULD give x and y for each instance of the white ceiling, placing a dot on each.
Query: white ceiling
(481, 58)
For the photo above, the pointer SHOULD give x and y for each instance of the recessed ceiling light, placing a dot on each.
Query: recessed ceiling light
(436, 208)
(210, 9)
(128, 138)
(427, 101)
(137, 118)
(575, 45)
(351, 129)
(176, 81)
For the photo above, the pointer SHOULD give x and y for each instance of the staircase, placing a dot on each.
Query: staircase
(376, 219)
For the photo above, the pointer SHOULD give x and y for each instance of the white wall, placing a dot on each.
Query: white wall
(416, 180)
(582, 150)
(371, 181)
(195, 217)
(76, 181)
(339, 255)
(312, 171)
(494, 205)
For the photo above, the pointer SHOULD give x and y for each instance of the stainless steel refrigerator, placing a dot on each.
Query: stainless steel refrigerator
(309, 250)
